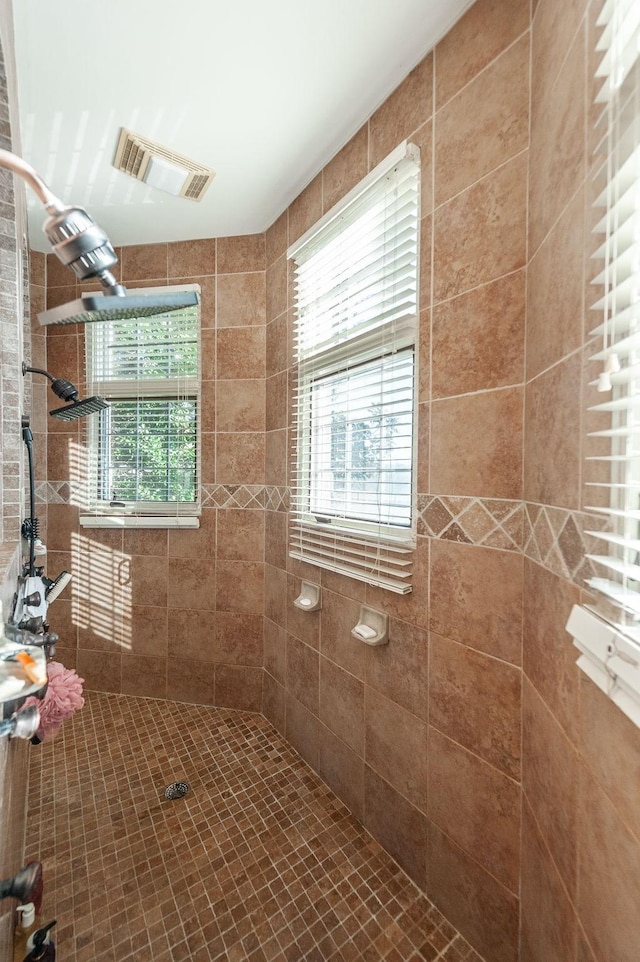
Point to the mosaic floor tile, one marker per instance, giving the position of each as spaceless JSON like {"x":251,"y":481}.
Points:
{"x":258,"y":862}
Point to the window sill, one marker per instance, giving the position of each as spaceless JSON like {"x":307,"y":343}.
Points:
{"x":137,"y":521}
{"x":609,"y":658}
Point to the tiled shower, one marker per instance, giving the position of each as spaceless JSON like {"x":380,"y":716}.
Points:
{"x":471,"y":748}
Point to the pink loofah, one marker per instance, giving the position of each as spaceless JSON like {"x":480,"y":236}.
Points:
{"x":62,"y":698}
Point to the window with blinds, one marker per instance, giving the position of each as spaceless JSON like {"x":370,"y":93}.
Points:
{"x":611,"y":652}
{"x":356,"y":300}
{"x":144,"y":446}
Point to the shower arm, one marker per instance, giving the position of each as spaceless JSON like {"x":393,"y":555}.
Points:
{"x":51,"y":203}
{"x":77,"y":241}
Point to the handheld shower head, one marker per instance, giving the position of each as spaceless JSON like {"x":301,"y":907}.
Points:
{"x":79,"y":409}
{"x":67,"y":391}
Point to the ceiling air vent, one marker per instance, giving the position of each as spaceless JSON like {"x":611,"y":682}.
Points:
{"x":160,"y":167}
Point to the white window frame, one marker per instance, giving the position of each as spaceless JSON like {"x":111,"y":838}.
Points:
{"x":607,"y":633}
{"x":374,"y":551}
{"x":141,"y":514}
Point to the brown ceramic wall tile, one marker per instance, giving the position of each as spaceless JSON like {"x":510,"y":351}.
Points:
{"x":396,"y":747}
{"x":477,"y":807}
{"x":424,"y":356}
{"x":342,"y":770}
{"x":57,"y":273}
{"x":192,"y":636}
{"x":195,"y":542}
{"x":609,"y":890}
{"x":148,"y":631}
{"x":277,"y":289}
{"x":552,"y":451}
{"x":191,"y":583}
{"x":240,"y":405}
{"x":475,"y":700}
{"x":399,"y":827}
{"x":144,"y":261}
{"x":276,"y":462}
{"x":275,"y":650}
{"x":276,"y":239}
{"x":240,"y":352}
{"x":101,"y":670}
{"x":550,"y":783}
{"x":477,"y":445}
{"x":400,"y":669}
{"x":342,"y":704}
{"x":485,"y":30}
{"x":555,"y":303}
{"x":425,"y":266}
{"x":549,"y":658}
{"x":144,"y":675}
{"x":240,"y":535}
{"x":609,"y":743}
{"x":485,"y":124}
{"x":339,"y":615}
{"x":148,"y":542}
{"x":548,"y":928}
{"x":480,"y":234}
{"x":238,"y":637}
{"x":303,"y":673}
{"x":275,"y":594}
{"x":276,"y":402}
{"x":273,"y":702}
{"x":241,"y":254}
{"x":277,"y":351}
{"x":476,"y":598}
{"x":146,"y":580}
{"x":346,"y":169}
{"x":584,"y":952}
{"x":557,"y":146}
{"x":240,"y":300}
{"x":191,"y":258}
{"x":406,"y":109}
{"x":238,"y":687}
{"x":302,"y":730}
{"x":275,"y":532}
{"x":38,"y":268}
{"x":191,"y":682}
{"x":240,"y":458}
{"x":306,"y":209}
{"x":552,"y":32}
{"x":240,"y":587}
{"x":472,"y":899}
{"x":478,"y":338}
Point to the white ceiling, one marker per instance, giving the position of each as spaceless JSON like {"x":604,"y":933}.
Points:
{"x":265,"y":93}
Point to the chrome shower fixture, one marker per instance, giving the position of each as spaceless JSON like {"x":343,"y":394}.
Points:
{"x":67,"y":391}
{"x":82,"y":246}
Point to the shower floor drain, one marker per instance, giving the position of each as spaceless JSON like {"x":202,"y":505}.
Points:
{"x":176,"y":790}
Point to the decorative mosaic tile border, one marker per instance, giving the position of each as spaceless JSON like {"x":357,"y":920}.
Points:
{"x":556,"y":538}
{"x":271,"y":497}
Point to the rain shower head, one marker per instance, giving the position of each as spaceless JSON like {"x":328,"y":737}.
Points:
{"x":67,"y":391}
{"x":117,"y":307}
{"x":82,"y":246}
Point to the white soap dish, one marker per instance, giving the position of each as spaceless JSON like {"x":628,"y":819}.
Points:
{"x":310,"y":597}
{"x":372,"y":627}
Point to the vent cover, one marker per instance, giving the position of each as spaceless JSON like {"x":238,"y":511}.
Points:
{"x":135,"y":153}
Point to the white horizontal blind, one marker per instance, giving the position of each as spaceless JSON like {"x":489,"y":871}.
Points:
{"x":618,"y":183}
{"x":356,"y":288}
{"x":144,"y":447}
